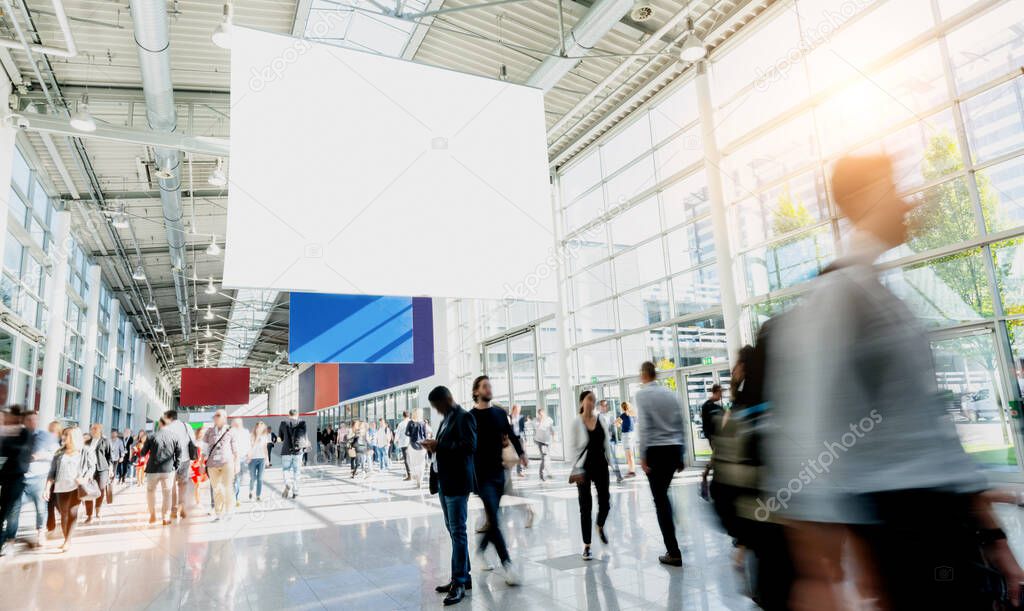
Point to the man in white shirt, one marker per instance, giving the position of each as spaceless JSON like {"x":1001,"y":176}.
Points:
{"x":402,"y":441}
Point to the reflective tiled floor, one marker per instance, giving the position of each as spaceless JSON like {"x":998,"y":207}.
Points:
{"x":379,"y":544}
{"x":373,"y":544}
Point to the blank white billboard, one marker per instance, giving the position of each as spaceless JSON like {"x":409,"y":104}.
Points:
{"x":357,"y":173}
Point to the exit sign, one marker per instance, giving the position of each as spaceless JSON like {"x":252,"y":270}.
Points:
{"x":708,"y":360}
{"x":593,"y":379}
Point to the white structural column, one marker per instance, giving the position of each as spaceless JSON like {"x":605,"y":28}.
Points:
{"x":92,"y":309}
{"x":56,"y":297}
{"x":109,"y":372}
{"x":566,"y":401}
{"x":719,"y":221}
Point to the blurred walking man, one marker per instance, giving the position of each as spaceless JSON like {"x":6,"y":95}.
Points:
{"x":661,"y":451}
{"x":865,"y":457}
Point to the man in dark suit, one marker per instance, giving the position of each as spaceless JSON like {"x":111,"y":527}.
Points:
{"x":456,"y":478}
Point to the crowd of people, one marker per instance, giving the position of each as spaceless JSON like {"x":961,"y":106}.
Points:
{"x":61,"y":468}
{"x":835,"y":468}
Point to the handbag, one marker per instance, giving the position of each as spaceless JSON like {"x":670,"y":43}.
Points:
{"x":509,"y":458}
{"x":110,"y":493}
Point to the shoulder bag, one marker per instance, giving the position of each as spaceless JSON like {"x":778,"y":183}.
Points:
{"x":210,"y":452}
{"x":88,"y":489}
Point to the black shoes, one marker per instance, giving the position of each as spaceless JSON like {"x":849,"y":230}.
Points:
{"x":455,"y":595}
{"x":448,"y":586}
{"x":671,"y":560}
{"x":601,"y":535}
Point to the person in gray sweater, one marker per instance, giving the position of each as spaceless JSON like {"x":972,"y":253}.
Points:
{"x":660,"y":415}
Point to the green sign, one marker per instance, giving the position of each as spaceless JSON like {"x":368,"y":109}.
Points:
{"x":707,"y":360}
{"x":554,"y":387}
{"x":593,"y":379}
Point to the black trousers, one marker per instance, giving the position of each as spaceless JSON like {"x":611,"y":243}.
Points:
{"x":405,"y":461}
{"x":600,"y":478}
{"x":663,"y":462}
{"x":926,"y":552}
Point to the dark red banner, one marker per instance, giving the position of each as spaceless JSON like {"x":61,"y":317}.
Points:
{"x":214,"y":386}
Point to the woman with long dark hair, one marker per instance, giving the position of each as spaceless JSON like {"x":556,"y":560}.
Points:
{"x":592,"y":453}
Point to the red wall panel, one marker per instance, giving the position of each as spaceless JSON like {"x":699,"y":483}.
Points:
{"x":325,"y":385}
{"x":214,"y":386}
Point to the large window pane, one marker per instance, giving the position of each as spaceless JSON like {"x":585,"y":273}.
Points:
{"x":685,"y":200}
{"x":584,"y":210}
{"x":592,"y":284}
{"x":702,"y":342}
{"x":987,"y":47}
{"x":598,"y":361}
{"x":944,"y":215}
{"x":586,"y":249}
{"x":679,"y":153}
{"x":691,"y":245}
{"x":580,"y":177}
{"x":921,"y":152}
{"x":1001,"y":188}
{"x":641,"y":265}
{"x":594,"y":321}
{"x":627,"y":145}
{"x":654,"y":345}
{"x":643,"y":307}
{"x":696,"y":291}
{"x":674,"y":112}
{"x":769,"y":158}
{"x":995,"y":120}
{"x":1008,"y":257}
{"x":796,"y":204}
{"x":635,"y":225}
{"x":787,"y":262}
{"x":632,"y":181}
{"x":872,"y":105}
{"x":946,"y":290}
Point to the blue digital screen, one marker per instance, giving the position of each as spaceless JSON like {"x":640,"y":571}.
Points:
{"x":325,"y":328}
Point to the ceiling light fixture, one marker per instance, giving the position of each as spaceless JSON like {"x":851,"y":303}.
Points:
{"x":209,"y":313}
{"x":218,"y":177}
{"x":693,"y":48}
{"x":151,"y":306}
{"x":211,"y":289}
{"x":82,"y":119}
{"x":139,"y":274}
{"x":222,"y":35}
{"x":159,"y":327}
{"x":120,"y":218}
{"x":213,"y":249}
{"x":208,"y":332}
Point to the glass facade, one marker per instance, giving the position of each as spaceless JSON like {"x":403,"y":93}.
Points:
{"x":939,"y":89}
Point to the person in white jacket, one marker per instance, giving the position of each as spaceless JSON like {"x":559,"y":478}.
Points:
{"x":591,"y":453}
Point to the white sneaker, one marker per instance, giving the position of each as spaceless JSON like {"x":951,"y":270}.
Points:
{"x":484,"y":561}
{"x":512,"y":577}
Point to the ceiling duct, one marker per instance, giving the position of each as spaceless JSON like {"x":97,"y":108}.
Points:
{"x":591,"y":28}
{"x":152,"y":37}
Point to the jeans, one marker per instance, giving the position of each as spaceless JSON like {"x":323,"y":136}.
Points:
{"x":615,"y":457}
{"x":243,"y":467}
{"x":291,"y":465}
{"x":166,"y":482}
{"x":663,"y":461}
{"x":34,"y":492}
{"x":599,"y":477}
{"x":256,"y":476}
{"x":543,"y":449}
{"x":490,"y":490}
{"x":455,"y":510}
{"x":180,"y":485}
{"x":10,"y":505}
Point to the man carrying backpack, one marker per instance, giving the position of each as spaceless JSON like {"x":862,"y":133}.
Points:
{"x":294,"y":443}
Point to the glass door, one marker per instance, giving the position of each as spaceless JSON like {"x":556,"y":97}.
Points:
{"x":697,"y":387}
{"x":511,"y":363}
{"x":969,"y":379}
